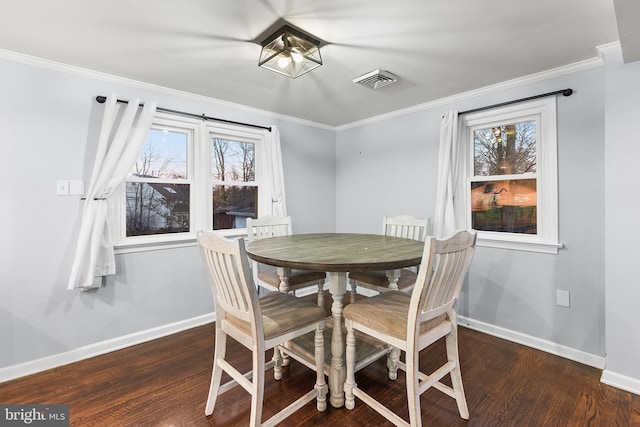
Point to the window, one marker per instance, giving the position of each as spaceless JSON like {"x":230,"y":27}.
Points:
{"x":158,"y":188}
{"x":190,"y":175}
{"x":511,"y":191}
{"x":234,"y":190}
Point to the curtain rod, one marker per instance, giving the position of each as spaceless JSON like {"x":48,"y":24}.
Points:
{"x":565,"y":92}
{"x":101,"y":99}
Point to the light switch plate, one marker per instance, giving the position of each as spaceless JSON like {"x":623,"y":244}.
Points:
{"x":62,"y":188}
{"x":562,"y":298}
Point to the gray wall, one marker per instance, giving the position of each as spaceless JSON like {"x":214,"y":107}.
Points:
{"x":390,"y":167}
{"x":345,"y":181}
{"x":49,"y":123}
{"x":622,"y":203}
{"x":386,"y":168}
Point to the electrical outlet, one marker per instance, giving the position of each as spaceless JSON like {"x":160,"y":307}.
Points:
{"x":76,"y":188}
{"x":562,"y":298}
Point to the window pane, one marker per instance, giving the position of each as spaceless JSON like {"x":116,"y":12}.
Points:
{"x":507,"y":206}
{"x":232,"y":205}
{"x":164,"y":155}
{"x":505,"y":150}
{"x":157,"y":208}
{"x":232,"y":160}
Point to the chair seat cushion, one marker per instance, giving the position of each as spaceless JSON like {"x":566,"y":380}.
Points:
{"x":379,"y":278}
{"x":282,"y":313}
{"x":387,"y":313}
{"x":297,"y":278}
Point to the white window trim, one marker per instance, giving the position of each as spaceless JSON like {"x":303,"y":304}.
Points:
{"x":247,"y":135}
{"x":546,"y":240}
{"x":198,"y":158}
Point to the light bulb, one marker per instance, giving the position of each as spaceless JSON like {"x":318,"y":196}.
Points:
{"x":297,"y":57}
{"x":284,"y":61}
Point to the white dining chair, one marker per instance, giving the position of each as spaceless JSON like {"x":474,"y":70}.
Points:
{"x":410,"y":323}
{"x":259,"y":324}
{"x":268,"y":276}
{"x":406,"y":226}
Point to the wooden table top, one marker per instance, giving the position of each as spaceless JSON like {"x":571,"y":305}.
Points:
{"x":337,"y":252}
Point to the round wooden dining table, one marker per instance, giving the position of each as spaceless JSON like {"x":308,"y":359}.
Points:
{"x":336,"y":254}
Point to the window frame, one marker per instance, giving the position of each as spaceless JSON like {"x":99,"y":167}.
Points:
{"x":161,"y":123}
{"x":240,"y":136}
{"x":544,"y":112}
{"x":199,"y":177}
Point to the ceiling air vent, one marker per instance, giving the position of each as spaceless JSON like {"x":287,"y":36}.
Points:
{"x":376,"y":79}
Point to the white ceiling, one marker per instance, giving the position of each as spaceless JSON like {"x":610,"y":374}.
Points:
{"x":438,"y":48}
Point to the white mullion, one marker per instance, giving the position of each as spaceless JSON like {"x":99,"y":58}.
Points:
{"x":160,"y":180}
{"x":192,"y":144}
{"x":511,"y":177}
{"x":202,"y":188}
{"x":234,"y":183}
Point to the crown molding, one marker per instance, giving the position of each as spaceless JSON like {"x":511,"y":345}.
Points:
{"x":609,"y":48}
{"x":520,"y":81}
{"x":97,"y":75}
{"x":602,"y":50}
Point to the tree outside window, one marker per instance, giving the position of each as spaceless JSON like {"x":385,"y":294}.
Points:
{"x":505,"y":205}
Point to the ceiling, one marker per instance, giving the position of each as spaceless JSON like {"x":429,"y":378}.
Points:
{"x":438,"y":48}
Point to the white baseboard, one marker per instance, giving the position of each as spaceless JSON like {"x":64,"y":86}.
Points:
{"x":622,"y":382}
{"x":27,"y":368}
{"x":103,"y":347}
{"x":537,"y":343}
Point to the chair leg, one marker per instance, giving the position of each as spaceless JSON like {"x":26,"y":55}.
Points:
{"x":257,"y":392}
{"x":392,"y":363}
{"x":393,"y":276}
{"x":283,"y":274}
{"x":216,"y":375}
{"x":456,"y":375}
{"x":277,"y":360}
{"x":321,"y":384}
{"x":350,"y":382}
{"x":413,"y":395}
{"x":354,"y":290}
{"x":321,"y":294}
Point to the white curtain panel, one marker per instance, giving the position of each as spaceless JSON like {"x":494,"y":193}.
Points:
{"x":273,"y":153}
{"x":448,"y":165}
{"x":119,"y":145}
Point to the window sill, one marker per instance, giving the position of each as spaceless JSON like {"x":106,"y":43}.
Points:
{"x":518,"y":244}
{"x":175,"y":241}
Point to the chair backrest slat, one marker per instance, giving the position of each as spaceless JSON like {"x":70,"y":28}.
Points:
{"x":444,"y":266}
{"x":229,"y":275}
{"x":268,"y":226}
{"x":443,"y":288}
{"x":406,"y":226}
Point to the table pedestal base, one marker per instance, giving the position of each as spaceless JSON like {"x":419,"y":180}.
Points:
{"x":368,"y":351}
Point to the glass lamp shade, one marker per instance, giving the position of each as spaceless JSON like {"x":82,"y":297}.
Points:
{"x":290,"y":52}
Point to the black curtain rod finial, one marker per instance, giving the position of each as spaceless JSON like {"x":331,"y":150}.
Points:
{"x":567,"y":92}
{"x":101,"y":99}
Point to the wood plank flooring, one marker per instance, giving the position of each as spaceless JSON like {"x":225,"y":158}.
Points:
{"x":165,"y":383}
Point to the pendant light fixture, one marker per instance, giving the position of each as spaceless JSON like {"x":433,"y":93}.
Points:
{"x":290,"y":52}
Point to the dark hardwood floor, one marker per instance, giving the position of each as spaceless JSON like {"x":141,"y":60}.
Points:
{"x":165,"y":383}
